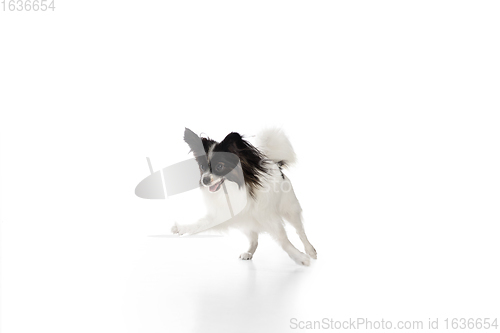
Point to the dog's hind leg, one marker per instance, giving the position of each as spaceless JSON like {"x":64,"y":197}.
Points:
{"x":253,"y":238}
{"x":295,"y":219}
{"x":292,"y":212}
{"x":279,"y":234}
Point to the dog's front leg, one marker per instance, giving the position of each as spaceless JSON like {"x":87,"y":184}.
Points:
{"x":191,"y":229}
{"x":253,"y":238}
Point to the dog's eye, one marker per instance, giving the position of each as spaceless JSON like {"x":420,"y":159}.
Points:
{"x":219,"y":167}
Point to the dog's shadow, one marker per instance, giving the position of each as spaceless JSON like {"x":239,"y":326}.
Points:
{"x":253,"y":298}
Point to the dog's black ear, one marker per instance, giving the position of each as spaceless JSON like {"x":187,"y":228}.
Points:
{"x":232,"y":142}
{"x":194,"y":142}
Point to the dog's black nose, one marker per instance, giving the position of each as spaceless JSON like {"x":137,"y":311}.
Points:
{"x":206,"y":180}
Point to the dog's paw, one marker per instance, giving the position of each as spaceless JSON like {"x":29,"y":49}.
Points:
{"x":302,"y":259}
{"x":311,"y":251}
{"x":246,"y":256}
{"x":179,"y":230}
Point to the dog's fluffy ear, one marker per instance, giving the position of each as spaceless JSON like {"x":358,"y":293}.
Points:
{"x":194,"y":142}
{"x":232,"y":142}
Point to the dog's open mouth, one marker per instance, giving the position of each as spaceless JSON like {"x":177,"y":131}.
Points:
{"x":216,"y":187}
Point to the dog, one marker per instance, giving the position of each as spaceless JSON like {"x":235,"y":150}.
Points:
{"x":258,"y":170}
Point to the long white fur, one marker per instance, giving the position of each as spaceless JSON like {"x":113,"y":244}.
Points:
{"x":276,"y":146}
{"x":265,"y":213}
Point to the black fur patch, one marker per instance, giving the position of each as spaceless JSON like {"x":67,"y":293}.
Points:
{"x":280,"y":165}
{"x":251,"y":159}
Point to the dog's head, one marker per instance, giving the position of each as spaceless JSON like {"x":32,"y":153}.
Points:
{"x":233,"y":159}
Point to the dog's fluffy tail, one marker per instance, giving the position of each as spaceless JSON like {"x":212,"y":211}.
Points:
{"x":276,"y":146}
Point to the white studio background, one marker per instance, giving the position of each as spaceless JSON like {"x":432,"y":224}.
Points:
{"x":393,"y":109}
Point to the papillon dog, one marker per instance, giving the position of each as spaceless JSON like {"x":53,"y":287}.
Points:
{"x":258,"y":171}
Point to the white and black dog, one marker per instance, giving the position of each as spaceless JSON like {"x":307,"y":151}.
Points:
{"x":259,"y":171}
